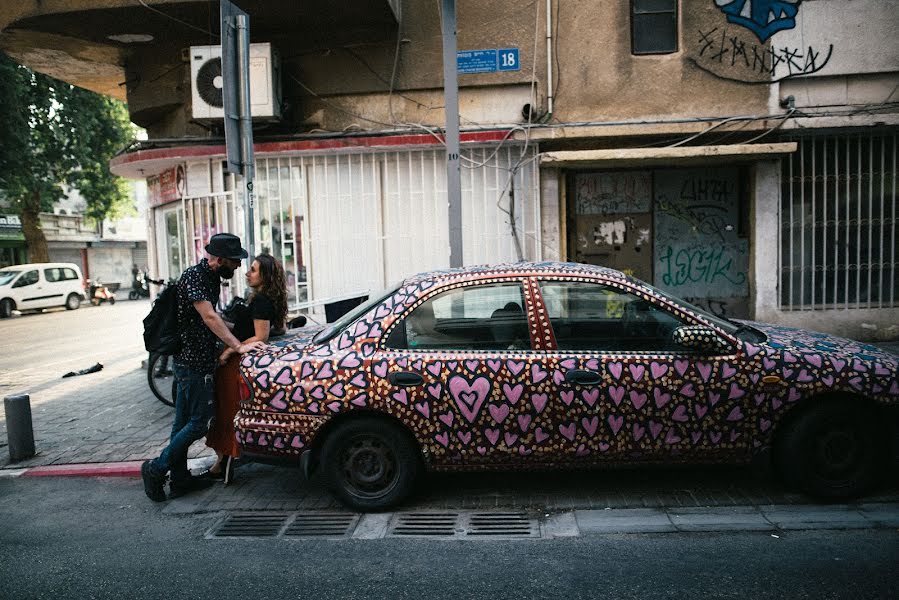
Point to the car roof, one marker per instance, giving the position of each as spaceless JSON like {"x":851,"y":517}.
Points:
{"x":40,"y":266}
{"x":519,"y":268}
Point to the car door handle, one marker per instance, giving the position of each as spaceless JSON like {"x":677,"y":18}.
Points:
{"x":405,"y":379}
{"x":583,"y":377}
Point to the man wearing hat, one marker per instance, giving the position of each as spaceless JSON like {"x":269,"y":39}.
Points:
{"x":202,"y":330}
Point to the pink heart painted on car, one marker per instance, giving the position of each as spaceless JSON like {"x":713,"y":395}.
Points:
{"x":435,"y":368}
{"x":361,"y":327}
{"x":558,"y":377}
{"x":856,"y":382}
{"x":262,"y":380}
{"x":617,"y":394}
{"x":539,"y":401}
{"x":469,"y":396}
{"x":263,"y":440}
{"x":350,"y":361}
{"x":751,"y":350}
{"x":590,"y":396}
{"x":402,"y":362}
{"x":472,"y":365}
{"x":687,"y":390}
{"x":715,"y":436}
{"x":759,"y":399}
{"x":768,"y":363}
{"x":681,"y":366}
{"x":859,"y":367}
{"x":279,"y":443}
{"x":838,"y":364}
{"x":359,"y":400}
{"x":494,"y":365}
{"x":788,"y":357}
{"x":636,"y":371}
{"x":735,"y":415}
{"x":894,"y":388}
{"x":442,"y":439}
{"x":714,"y":397}
{"x":705,"y":371}
{"x":794,"y":395}
{"x":671,"y":437}
{"x":735,"y":392}
{"x":734,"y":435}
{"x":680,"y":414}
{"x":318,"y":392}
{"x":638,"y":431}
{"x":515,"y":367}
{"x":524,"y":450}
{"x":568,"y":431}
{"x":524,"y":421}
{"x":248,"y":439}
{"x":334,"y":406}
{"x":764,"y":424}
{"x":615,"y":369}
{"x":754,"y":378}
{"x":510,"y":438}
{"x":661,"y":399}
{"x":298,"y":395}
{"x":637,"y":399}
{"x":655,"y":429}
{"x":567,"y":397}
{"x":345,"y":341}
{"x":446,"y":418}
{"x":880,"y":369}
{"x":657,"y":370}
{"x":804,"y":377}
{"x":325,"y":371}
{"x":787,"y":373}
{"x":590,"y":425}
{"x":277,"y":401}
{"x":464,"y":437}
{"x":696,"y":436}
{"x":568,"y":363}
{"x":700,"y":410}
{"x":537,"y":373}
{"x":452,"y":365}
{"x":382,"y":311}
{"x":481,"y":450}
{"x":313,"y":407}
{"x":322,"y":351}
{"x":265,"y":361}
{"x":336,"y":390}
{"x":727,"y":371}
{"x":512,"y":393}
{"x":375,"y":331}
{"x":359,"y":380}
{"x":814,"y":360}
{"x":615,"y":422}
{"x":296,"y":442}
{"x":424,"y":408}
{"x":540,"y":435}
{"x":306,"y":370}
{"x":582,"y":450}
{"x":592,"y":364}
{"x":401,"y":396}
{"x":499,"y":412}
{"x":604,"y":447}
{"x":435,"y":390}
{"x":776,"y":403}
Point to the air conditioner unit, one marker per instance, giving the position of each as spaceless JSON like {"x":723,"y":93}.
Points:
{"x":206,"y":82}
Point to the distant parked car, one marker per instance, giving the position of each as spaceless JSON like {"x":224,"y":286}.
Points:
{"x":559,"y":365}
{"x":40,"y":285}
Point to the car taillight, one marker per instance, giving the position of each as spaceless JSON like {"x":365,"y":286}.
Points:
{"x":243,"y":389}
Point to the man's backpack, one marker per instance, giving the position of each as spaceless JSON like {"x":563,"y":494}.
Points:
{"x":161,"y":325}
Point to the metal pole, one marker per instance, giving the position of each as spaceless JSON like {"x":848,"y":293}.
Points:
{"x":246,"y":129}
{"x":451,"y":103}
{"x":19,"y":432}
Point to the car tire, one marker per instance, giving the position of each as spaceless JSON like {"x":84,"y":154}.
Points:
{"x":832,"y":450}
{"x":73,"y":302}
{"x":370,"y":464}
{"x":6,"y":308}
{"x":111,"y":301}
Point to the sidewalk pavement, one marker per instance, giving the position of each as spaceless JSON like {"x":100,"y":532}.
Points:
{"x":112,"y":421}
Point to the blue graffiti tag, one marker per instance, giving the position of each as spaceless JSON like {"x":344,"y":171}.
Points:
{"x":763,"y":17}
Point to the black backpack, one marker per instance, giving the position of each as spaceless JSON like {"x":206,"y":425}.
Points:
{"x":161,"y":325}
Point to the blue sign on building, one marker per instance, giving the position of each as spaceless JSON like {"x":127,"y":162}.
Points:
{"x":487,"y":61}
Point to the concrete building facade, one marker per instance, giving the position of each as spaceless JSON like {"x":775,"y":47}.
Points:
{"x":740,"y":154}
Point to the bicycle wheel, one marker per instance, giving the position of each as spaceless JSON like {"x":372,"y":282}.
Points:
{"x":161,"y":378}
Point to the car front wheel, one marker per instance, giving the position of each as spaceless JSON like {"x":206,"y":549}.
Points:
{"x":832,"y":450}
{"x":6,"y":308}
{"x":370,"y":464}
{"x":73,"y":302}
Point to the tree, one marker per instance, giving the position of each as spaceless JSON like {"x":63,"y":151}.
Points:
{"x":52,"y":135}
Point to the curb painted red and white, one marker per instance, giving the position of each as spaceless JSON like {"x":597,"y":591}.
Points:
{"x":129,"y":468}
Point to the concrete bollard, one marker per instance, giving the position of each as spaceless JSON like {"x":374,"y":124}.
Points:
{"x":19,"y":431}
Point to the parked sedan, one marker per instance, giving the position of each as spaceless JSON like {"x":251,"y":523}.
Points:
{"x":560,"y":365}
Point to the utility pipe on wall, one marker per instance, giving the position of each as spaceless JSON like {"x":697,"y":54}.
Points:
{"x":549,"y":57}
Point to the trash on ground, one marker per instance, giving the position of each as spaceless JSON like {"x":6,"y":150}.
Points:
{"x":97,"y":367}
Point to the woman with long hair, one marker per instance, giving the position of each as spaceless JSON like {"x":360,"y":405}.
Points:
{"x":266,"y":314}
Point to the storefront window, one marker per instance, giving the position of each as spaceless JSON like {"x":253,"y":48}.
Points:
{"x":173,"y":244}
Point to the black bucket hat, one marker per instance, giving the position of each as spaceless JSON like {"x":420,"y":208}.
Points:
{"x":226,"y":245}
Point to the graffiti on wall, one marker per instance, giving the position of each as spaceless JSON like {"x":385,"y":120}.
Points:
{"x":609,"y":193}
{"x":746,"y":52}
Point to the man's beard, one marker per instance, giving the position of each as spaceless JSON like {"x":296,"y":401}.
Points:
{"x":225,"y":272}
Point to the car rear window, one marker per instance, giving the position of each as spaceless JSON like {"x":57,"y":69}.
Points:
{"x":7,"y":276}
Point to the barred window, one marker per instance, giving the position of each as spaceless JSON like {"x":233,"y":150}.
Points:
{"x":838,"y":223}
{"x":653,"y":26}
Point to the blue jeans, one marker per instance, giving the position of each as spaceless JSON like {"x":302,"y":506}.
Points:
{"x":194,"y":408}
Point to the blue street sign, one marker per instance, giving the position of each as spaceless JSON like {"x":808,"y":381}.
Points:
{"x":487,"y":61}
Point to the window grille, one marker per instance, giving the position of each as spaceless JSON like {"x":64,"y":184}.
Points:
{"x":838,"y":223}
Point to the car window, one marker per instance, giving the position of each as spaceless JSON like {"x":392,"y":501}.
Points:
{"x":53,"y":275}
{"x":29,"y":278}
{"x":7,"y":276}
{"x":69,"y":274}
{"x":595,"y":317}
{"x":480,"y":317}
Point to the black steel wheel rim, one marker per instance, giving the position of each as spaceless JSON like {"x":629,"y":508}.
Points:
{"x":838,"y":452}
{"x":368,"y":466}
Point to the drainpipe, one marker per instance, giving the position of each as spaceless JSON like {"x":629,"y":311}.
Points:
{"x":549,"y":60}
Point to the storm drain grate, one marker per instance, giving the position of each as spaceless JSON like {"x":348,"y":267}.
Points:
{"x":424,"y":524}
{"x":250,"y":525}
{"x":506,"y":524}
{"x":465,"y":525}
{"x":321,"y":525}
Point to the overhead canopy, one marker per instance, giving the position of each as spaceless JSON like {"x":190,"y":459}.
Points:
{"x":681,"y":155}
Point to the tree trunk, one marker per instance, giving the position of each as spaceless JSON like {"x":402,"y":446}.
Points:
{"x":31,"y":229}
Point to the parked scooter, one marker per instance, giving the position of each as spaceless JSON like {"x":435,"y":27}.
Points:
{"x":99,"y":293}
{"x":142,"y":289}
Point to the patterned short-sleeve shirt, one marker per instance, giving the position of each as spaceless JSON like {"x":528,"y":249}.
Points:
{"x":200,"y":347}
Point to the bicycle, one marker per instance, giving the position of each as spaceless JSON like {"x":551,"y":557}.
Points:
{"x":158,"y":376}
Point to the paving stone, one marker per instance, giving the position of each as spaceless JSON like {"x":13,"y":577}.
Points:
{"x":624,"y":520}
{"x":816,"y":517}
{"x":734,"y":518}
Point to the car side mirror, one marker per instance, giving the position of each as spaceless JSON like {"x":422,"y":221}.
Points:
{"x":701,"y":339}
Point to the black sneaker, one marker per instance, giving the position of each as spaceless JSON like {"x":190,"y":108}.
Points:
{"x":182,"y":487}
{"x":153,"y":483}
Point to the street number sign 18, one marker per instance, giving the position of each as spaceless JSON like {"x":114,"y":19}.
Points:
{"x":508,"y":59}
{"x":487,"y":61}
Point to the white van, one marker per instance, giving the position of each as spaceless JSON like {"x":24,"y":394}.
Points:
{"x":40,"y":285}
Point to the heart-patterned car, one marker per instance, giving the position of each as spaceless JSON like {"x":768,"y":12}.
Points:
{"x":561,"y":365}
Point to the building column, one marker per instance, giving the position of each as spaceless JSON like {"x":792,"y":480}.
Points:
{"x":764,"y":266}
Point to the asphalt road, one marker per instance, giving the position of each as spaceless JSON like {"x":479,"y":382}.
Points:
{"x":36,"y":349}
{"x":63,"y":538}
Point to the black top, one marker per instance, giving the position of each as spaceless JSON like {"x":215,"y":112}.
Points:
{"x":262,"y":308}
{"x":199,"y":346}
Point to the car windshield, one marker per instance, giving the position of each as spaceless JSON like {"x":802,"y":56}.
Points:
{"x":7,"y":276}
{"x":337,"y":326}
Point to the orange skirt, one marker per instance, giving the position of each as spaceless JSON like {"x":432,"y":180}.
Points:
{"x":220,"y":436}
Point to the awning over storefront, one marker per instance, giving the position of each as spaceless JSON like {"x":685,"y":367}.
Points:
{"x":679,"y":156}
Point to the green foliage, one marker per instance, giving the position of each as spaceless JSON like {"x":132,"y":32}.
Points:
{"x":53,"y":134}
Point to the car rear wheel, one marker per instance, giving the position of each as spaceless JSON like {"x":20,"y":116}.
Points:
{"x":832,"y":450}
{"x":6,"y":308}
{"x":73,"y":302}
{"x":370,"y":464}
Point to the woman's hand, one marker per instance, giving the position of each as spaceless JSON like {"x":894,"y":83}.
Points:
{"x":225,"y":356}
